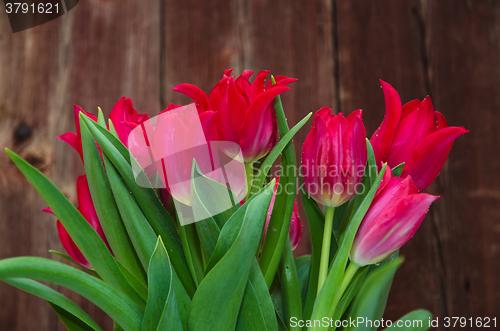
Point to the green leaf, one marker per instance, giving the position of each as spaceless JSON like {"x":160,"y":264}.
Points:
{"x":112,"y":128}
{"x":350,"y":292}
{"x":192,"y":250}
{"x":70,"y":259}
{"x":366,"y":303}
{"x":84,"y":236}
{"x":118,"y":306}
{"x":208,"y":197}
{"x":228,"y":234}
{"x":303,"y":265}
{"x":211,"y":199}
{"x":413,"y":319}
{"x":100,"y":118}
{"x":251,"y":315}
{"x":64,"y":307}
{"x":106,"y":208}
{"x":175,"y":309}
{"x":329,"y":295}
{"x":279,"y":223}
{"x":219,"y":296}
{"x":264,"y":298}
{"x":160,"y":285}
{"x":396,"y":171}
{"x":161,"y":222}
{"x":257,"y":310}
{"x":384,"y":293}
{"x":275,"y":152}
{"x":70,"y":321}
{"x":140,"y":232}
{"x":171,"y":319}
{"x":262,"y":307}
{"x":371,"y":164}
{"x":138,"y":285}
{"x":290,"y":287}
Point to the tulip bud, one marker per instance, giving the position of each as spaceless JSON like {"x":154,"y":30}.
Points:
{"x":392,"y":219}
{"x":334,"y":157}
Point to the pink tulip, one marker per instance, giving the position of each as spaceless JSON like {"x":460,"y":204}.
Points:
{"x":414,"y":134}
{"x":87,"y":209}
{"x":295,"y":230}
{"x":334,"y":157}
{"x":244,"y":110}
{"x":392,"y":219}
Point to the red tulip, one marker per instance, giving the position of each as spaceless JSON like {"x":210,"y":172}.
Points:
{"x":295,"y":230}
{"x":124,"y":119}
{"x":392,"y":219}
{"x":334,"y":157}
{"x":87,"y":209}
{"x":414,"y":134}
{"x":75,"y":139}
{"x":244,"y":110}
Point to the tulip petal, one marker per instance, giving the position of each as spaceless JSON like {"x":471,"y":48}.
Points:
{"x":207,"y":120}
{"x":195,"y":93}
{"x":48,"y":210}
{"x":281,"y":80}
{"x":410,"y":107}
{"x":243,"y":81}
{"x":258,"y":129}
{"x":122,"y":115}
{"x":430,"y":155}
{"x":355,"y":114}
{"x":295,"y":231}
{"x":70,"y":247}
{"x":72,"y":139}
{"x":258,"y":84}
{"x":86,"y":206}
{"x":76,"y":111}
{"x":316,"y":156}
{"x":382,"y":138}
{"x":394,"y":227}
{"x":410,"y":132}
{"x":394,"y":191}
{"x":355,"y":155}
{"x":440,"y":121}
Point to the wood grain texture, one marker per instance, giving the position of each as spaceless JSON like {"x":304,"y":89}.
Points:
{"x":104,"y":49}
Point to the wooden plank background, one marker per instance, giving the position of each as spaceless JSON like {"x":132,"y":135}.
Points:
{"x":104,"y":49}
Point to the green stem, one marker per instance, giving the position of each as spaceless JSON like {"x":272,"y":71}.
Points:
{"x":249,"y":179}
{"x":349,"y":273}
{"x":325,"y":250}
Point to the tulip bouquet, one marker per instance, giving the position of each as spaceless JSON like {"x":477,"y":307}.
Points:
{"x":183,"y":224}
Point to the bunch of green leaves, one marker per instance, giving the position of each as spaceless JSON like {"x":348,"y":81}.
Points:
{"x":219,"y":273}
{"x":162,"y":275}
